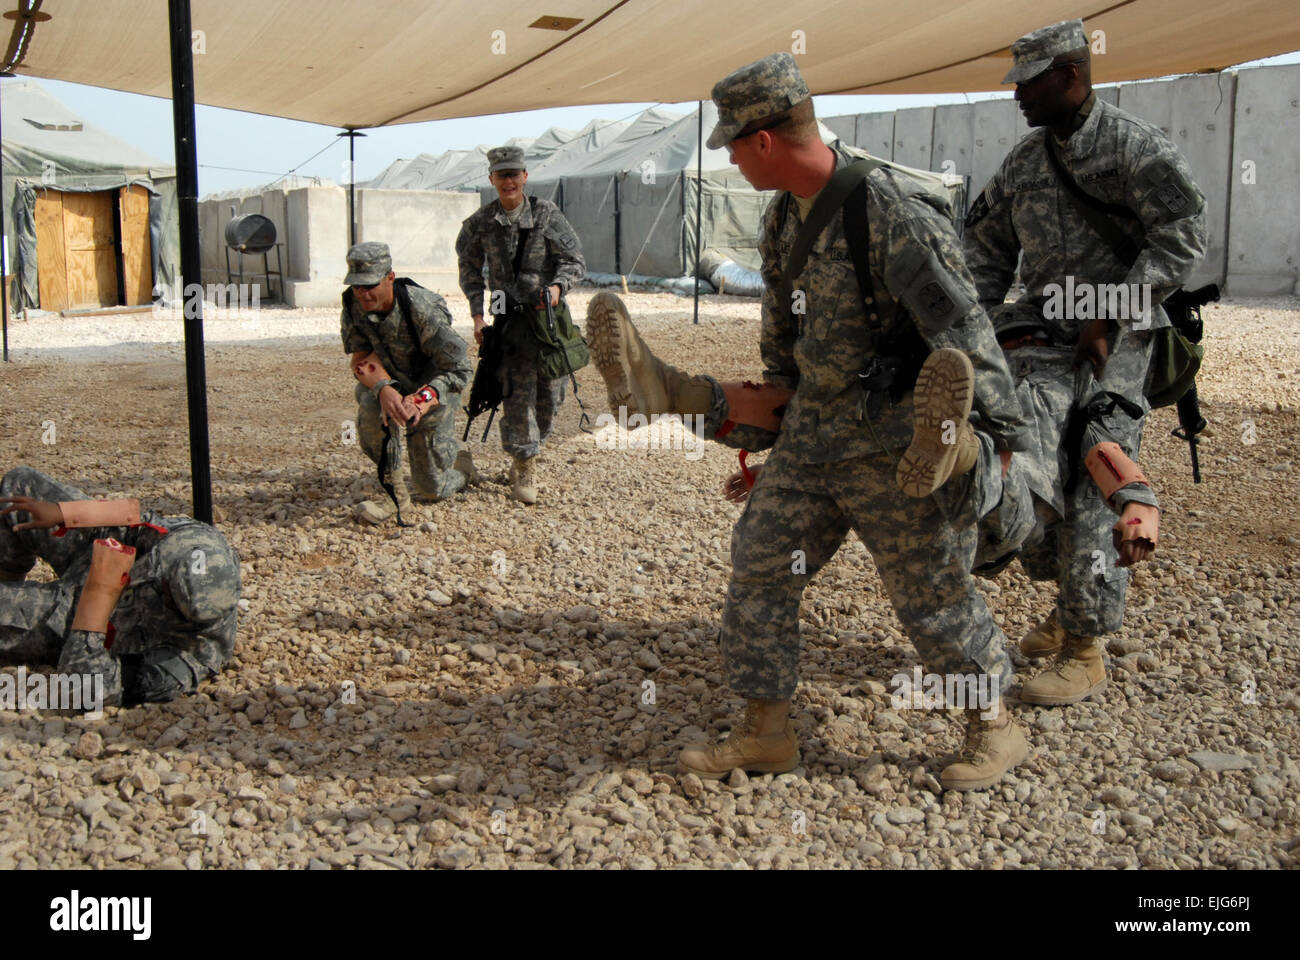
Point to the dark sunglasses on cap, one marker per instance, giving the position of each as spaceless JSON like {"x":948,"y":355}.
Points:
{"x":365,"y":286}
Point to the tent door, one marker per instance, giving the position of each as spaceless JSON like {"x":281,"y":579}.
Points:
{"x":137,"y":255}
{"x":92,"y":249}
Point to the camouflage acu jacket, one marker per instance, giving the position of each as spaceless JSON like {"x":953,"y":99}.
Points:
{"x":1116,"y":158}
{"x":439,"y":358}
{"x":918,"y":273}
{"x":488,"y":239}
{"x":183,"y":594}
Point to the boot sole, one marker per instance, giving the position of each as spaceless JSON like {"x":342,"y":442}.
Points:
{"x":1019,"y":757}
{"x":1050,"y":701}
{"x":608,"y":349}
{"x":778,"y":766}
{"x":945,"y":390}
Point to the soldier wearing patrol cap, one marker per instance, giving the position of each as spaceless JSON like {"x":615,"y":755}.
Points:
{"x":841,"y":352}
{"x":1096,"y":365}
{"x":526,"y":249}
{"x":410,"y":368}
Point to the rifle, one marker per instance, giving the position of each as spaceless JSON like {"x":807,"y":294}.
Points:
{"x":486,"y":392}
{"x":1184,"y":309}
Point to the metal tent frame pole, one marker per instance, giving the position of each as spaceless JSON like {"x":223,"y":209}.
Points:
{"x":4,"y":258}
{"x":187,"y":189}
{"x":352,"y":135}
{"x":699,"y":199}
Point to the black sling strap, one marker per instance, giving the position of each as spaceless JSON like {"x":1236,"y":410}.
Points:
{"x":845,"y":181}
{"x":1097,"y":212}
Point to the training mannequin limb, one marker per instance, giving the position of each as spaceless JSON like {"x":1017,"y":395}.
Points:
{"x":100,"y":513}
{"x":110,"y":572}
{"x":1137,"y":531}
{"x":371,"y":372}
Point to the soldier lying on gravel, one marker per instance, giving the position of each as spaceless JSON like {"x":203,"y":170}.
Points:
{"x":145,"y":601}
{"x":410,"y":368}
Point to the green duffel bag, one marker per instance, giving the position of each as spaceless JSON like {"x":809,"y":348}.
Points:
{"x":560,"y":348}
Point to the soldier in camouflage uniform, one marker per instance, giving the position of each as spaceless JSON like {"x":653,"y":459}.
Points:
{"x":172,"y":626}
{"x":550,"y":262}
{"x":422,"y":369}
{"x":1097,"y":364}
{"x":835,"y":464}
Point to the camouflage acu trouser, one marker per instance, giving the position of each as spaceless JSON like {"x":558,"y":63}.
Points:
{"x":1077,"y":551}
{"x":432,"y":445}
{"x":792,"y":525}
{"x":528,"y":407}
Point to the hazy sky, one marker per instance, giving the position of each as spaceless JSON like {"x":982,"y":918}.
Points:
{"x":246,"y":150}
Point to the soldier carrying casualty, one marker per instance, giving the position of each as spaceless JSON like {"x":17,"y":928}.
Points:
{"x":145,"y":601}
{"x":1100,"y":209}
{"x":868,"y":314}
{"x":410,"y":368}
{"x":532,"y":258}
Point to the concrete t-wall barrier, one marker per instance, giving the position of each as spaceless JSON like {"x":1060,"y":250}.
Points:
{"x":318,"y":239}
{"x":1196,"y":114}
{"x":420,"y":228}
{"x":1230,"y":127}
{"x":1264,"y":217}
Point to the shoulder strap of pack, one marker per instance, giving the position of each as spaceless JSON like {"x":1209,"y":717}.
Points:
{"x":523,"y":240}
{"x":858,"y":231}
{"x":842,"y":183}
{"x":401,"y":290}
{"x":1097,"y":212}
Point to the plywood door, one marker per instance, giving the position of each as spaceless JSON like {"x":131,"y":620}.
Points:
{"x":51,"y":264}
{"x":90,"y":249}
{"x":137,"y":259}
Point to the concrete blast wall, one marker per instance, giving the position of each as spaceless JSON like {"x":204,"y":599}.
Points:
{"x":311,"y":223}
{"x":1235,"y":129}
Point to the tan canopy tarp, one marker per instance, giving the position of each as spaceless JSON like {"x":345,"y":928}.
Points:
{"x":366,"y":63}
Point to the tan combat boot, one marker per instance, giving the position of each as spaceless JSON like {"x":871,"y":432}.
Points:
{"x":1045,"y":640}
{"x":992,"y":747}
{"x":465,"y":464}
{"x":634,"y":377}
{"x":375,"y":511}
{"x":943,"y":444}
{"x":523,"y":480}
{"x":1079,"y":672}
{"x":763,"y":741}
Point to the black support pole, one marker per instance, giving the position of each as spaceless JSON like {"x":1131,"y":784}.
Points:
{"x":699,"y":200}
{"x":352,"y":183}
{"x":187,"y":189}
{"x":4,"y":254}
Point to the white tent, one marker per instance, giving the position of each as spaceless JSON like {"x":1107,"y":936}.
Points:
{"x":89,"y":220}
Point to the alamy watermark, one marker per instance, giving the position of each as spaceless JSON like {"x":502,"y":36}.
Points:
{"x":940,"y":691}
{"x":81,"y":692}
{"x":1130,"y":302}
{"x":224,"y":301}
{"x":668,"y":431}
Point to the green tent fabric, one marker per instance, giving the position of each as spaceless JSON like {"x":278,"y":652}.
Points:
{"x":46,"y":146}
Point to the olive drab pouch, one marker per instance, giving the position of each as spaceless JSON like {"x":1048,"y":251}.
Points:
{"x":561,"y":350}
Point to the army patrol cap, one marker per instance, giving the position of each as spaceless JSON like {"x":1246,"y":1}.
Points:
{"x":1034,"y":52}
{"x":368,"y":263}
{"x":505,"y":158}
{"x":753,"y":93}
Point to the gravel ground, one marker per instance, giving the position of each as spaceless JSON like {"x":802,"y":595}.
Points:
{"x":503,"y":658}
